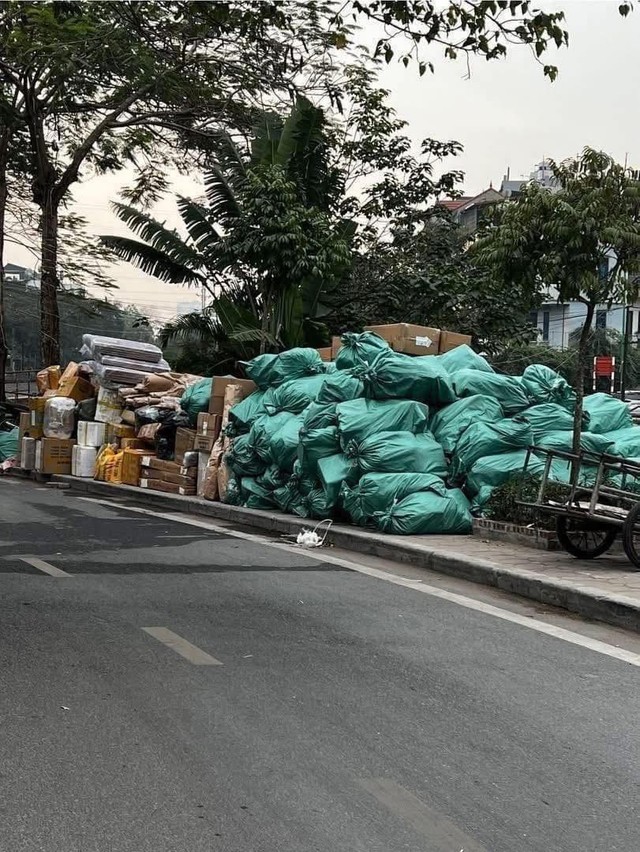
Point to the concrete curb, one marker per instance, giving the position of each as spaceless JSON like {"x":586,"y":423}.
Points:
{"x":579,"y":598}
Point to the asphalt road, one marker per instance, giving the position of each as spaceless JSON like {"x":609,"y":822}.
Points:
{"x":293,"y":706}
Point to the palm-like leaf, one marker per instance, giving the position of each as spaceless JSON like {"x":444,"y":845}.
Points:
{"x":157,"y":235}
{"x":221,"y":195}
{"x":266,"y":139}
{"x":198,"y":222}
{"x":153,"y":261}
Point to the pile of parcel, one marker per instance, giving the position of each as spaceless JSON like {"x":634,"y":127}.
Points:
{"x":403,"y":428}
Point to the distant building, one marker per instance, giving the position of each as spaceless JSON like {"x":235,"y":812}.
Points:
{"x":470,"y":210}
{"x":541,"y":174}
{"x":21,"y":275}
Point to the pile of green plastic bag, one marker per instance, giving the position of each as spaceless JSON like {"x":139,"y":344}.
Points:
{"x":401,"y":444}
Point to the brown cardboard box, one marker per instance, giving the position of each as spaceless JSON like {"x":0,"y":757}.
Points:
{"x":69,"y":373}
{"x":204,"y":443}
{"x":174,"y":478}
{"x":53,"y":455}
{"x":76,"y":389}
{"x":131,"y":465}
{"x":450,"y":339}
{"x":168,"y":487}
{"x":36,"y":419}
{"x":409,"y":339}
{"x":336,"y":343}
{"x":131,"y":444}
{"x":155,"y":464}
{"x":325,"y":353}
{"x":25,"y":424}
{"x":209,"y":424}
{"x":184,"y":442}
{"x":119,"y":430}
{"x":216,"y":403}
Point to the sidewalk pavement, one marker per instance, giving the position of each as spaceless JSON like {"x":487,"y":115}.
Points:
{"x":604,"y":589}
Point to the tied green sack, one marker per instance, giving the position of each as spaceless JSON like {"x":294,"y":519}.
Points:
{"x":196,"y":399}
{"x":263,"y":430}
{"x":437,"y":511}
{"x":359,"y":418}
{"x":243,"y":459}
{"x":377,"y":492}
{"x":317,"y":415}
{"x":359,"y":349}
{"x":464,"y":358}
{"x":293,"y":396}
{"x":489,"y":439}
{"x":316,"y":444}
{"x":548,"y":417}
{"x":545,"y":385}
{"x":494,"y":470}
{"x":396,"y":376}
{"x":398,"y":452}
{"x":606,"y":414}
{"x":283,"y":446}
{"x":333,"y":471}
{"x":563,"y":440}
{"x":272,"y":370}
{"x":9,"y":444}
{"x":273,"y":478}
{"x":450,"y":422}
{"x":243,"y":414}
{"x":254,"y":495}
{"x":507,"y":390}
{"x":625,"y":442}
{"x":233,"y":495}
{"x":340,"y":386}
{"x":561,"y":471}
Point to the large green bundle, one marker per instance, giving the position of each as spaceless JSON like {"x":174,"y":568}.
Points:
{"x":271,"y":370}
{"x":606,"y":414}
{"x":376,"y":492}
{"x":489,"y":439}
{"x":398,"y":452}
{"x":625,"y":442}
{"x":563,"y":440}
{"x":359,"y":418}
{"x":243,"y":414}
{"x":548,"y":417}
{"x":316,"y":444}
{"x":437,"y":511}
{"x":232,"y":495}
{"x":273,"y":478}
{"x":263,"y":430}
{"x":289,"y":499}
{"x":333,"y":471}
{"x":9,"y":444}
{"x":450,"y":422}
{"x":395,"y":376}
{"x":490,"y":471}
{"x":561,"y":471}
{"x":283,"y":446}
{"x":242,"y":458}
{"x":545,"y":385}
{"x":293,"y":396}
{"x":464,"y":358}
{"x":359,"y":349}
{"x":254,"y":495}
{"x":319,"y":414}
{"x":195,"y":399}
{"x":340,"y":386}
{"x":507,"y":390}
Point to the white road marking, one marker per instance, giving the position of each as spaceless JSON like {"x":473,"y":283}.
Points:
{"x":443,"y":835}
{"x":190,"y":652}
{"x":41,"y":565}
{"x":321,"y":555}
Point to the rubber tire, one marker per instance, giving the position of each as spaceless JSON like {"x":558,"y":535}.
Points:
{"x":578,"y":552}
{"x":627,"y":537}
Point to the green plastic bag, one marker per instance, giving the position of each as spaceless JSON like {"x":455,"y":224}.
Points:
{"x":398,"y":452}
{"x":317,"y":415}
{"x":543,"y":384}
{"x":507,"y":390}
{"x":242,"y":458}
{"x":437,"y":511}
{"x":359,"y":418}
{"x":395,"y":376}
{"x":293,"y":396}
{"x":333,"y":471}
{"x":464,"y":358}
{"x":317,"y":505}
{"x":243,"y":414}
{"x":9,"y":444}
{"x":340,"y":386}
{"x":273,"y":478}
{"x":563,"y":440}
{"x":561,"y":471}
{"x":196,"y":399}
{"x":489,"y":439}
{"x":272,"y":370}
{"x":448,"y":424}
{"x":263,"y":430}
{"x":233,"y":495}
{"x":330,"y":367}
{"x":283,"y":446}
{"x":359,"y":349}
{"x":254,"y":495}
{"x":606,"y":414}
{"x":548,"y":417}
{"x":316,"y":444}
{"x":494,"y":470}
{"x":377,"y":492}
{"x":626,"y":442}
{"x":302,"y":481}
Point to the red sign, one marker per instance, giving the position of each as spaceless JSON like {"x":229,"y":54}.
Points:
{"x":604,"y":365}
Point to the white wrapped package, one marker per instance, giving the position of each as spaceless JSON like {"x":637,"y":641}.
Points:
{"x":28,"y":454}
{"x":83,"y":461}
{"x":115,"y":376}
{"x":95,"y":347}
{"x":59,"y":417}
{"x":91,"y":434}
{"x":130,"y":364}
{"x":108,"y":407}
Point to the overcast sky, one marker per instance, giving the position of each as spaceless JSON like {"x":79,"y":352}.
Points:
{"x":507,"y":114}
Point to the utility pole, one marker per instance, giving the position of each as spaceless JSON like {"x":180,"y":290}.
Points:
{"x":626,"y":336}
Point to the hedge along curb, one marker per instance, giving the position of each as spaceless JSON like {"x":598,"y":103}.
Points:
{"x":575,"y":597}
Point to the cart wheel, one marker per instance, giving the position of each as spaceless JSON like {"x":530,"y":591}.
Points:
{"x":631,"y":537}
{"x":585,"y":540}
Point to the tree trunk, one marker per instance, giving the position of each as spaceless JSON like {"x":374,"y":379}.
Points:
{"x":4,"y":147}
{"x":49,"y":314}
{"x":583,"y":349}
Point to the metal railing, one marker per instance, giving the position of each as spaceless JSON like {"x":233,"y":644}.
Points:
{"x":20,"y":384}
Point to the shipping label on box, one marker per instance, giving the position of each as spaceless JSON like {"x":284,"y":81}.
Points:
{"x":209,"y":424}
{"x":204,"y":443}
{"x":408,"y":338}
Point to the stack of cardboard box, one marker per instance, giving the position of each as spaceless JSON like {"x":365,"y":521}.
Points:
{"x":410,"y":339}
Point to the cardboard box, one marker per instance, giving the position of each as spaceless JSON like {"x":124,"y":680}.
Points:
{"x":76,"y":389}
{"x":119,"y":430}
{"x":109,"y":408}
{"x":131,"y":444}
{"x":209,"y":424}
{"x":325,"y":353}
{"x":409,"y":339}
{"x":216,"y":402}
{"x":53,"y":455}
{"x":450,"y":339}
{"x":187,"y":481}
{"x":336,"y":343}
{"x":168,"y":487}
{"x":204,"y":443}
{"x":36,"y":416}
{"x":184,"y":442}
{"x":165,"y":466}
{"x":132,"y":465}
